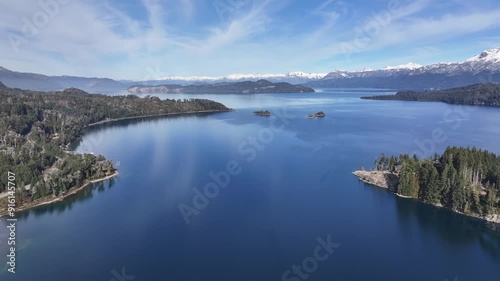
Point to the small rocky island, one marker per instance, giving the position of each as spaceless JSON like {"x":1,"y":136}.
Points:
{"x":320,"y":114}
{"x":262,"y":113}
{"x":246,"y":87}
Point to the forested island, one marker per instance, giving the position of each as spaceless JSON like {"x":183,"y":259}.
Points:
{"x":478,"y":94}
{"x":37,"y":128}
{"x":246,"y":87}
{"x":262,"y":113}
{"x":465,"y":180}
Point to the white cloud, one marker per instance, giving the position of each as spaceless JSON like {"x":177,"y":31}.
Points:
{"x":250,"y":23}
{"x":94,"y":38}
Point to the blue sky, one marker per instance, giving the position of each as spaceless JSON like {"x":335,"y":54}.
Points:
{"x":149,"y":39}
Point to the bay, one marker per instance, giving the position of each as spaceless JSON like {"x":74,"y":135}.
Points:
{"x":294,"y":188}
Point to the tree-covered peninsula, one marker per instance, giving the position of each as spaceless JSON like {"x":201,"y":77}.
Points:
{"x":246,"y":87}
{"x":478,"y":94}
{"x":465,"y":180}
{"x":37,"y":128}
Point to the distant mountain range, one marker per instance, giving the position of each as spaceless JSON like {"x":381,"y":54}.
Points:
{"x":296,"y":77}
{"x":246,"y":87}
{"x":482,"y":68}
{"x":39,"y":82}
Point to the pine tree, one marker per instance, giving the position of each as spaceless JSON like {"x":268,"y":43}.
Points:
{"x":491,"y":201}
{"x":432,"y":192}
{"x":424,"y":181}
{"x":475,"y":201}
{"x":458,"y":194}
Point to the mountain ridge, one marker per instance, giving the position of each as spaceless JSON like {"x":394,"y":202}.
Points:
{"x":481,"y":68}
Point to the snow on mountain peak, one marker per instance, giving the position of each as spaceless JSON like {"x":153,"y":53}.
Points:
{"x":410,"y":66}
{"x":251,"y":76}
{"x":491,"y":55}
{"x":488,"y":60}
{"x":306,"y":75}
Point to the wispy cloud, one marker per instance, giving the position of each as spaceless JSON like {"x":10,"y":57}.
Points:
{"x":249,"y":24}
{"x":439,"y":29}
{"x":190,"y":37}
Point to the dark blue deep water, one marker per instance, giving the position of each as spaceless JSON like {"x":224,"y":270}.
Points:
{"x":288,"y":191}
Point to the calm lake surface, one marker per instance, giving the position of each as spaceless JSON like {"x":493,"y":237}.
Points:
{"x":291,"y":186}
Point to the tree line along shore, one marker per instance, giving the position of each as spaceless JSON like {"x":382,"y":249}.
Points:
{"x":465,"y":180}
{"x":38,"y":127}
{"x":478,"y":94}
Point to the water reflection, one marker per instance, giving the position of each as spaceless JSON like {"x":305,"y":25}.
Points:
{"x":70,"y":201}
{"x":298,"y":187}
{"x":451,"y":228}
{"x":93,"y":134}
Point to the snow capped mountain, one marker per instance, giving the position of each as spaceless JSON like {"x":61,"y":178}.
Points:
{"x":484,"y":67}
{"x":487,"y":61}
{"x":290,"y":77}
{"x":491,"y":55}
{"x":306,"y":75}
{"x":410,"y":65}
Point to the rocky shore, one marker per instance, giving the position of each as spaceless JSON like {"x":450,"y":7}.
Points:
{"x":50,"y":200}
{"x":388,"y":180}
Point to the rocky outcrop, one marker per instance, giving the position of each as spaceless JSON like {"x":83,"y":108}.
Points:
{"x":320,"y":114}
{"x":382,"y":179}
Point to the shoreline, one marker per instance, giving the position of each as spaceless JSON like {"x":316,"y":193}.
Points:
{"x":47,"y":201}
{"x":156,"y":115}
{"x":50,"y":200}
{"x":371,"y":178}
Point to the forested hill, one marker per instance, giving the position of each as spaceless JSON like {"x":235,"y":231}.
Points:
{"x":36,"y":127}
{"x":245,"y":87}
{"x":478,"y":94}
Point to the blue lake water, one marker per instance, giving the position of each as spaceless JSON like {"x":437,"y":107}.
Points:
{"x":288,"y":190}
